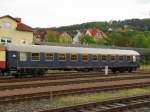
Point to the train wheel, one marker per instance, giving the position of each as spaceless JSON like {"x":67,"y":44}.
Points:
{"x":34,"y":73}
{"x":1,"y":73}
{"x":114,"y":71}
{"x":130,"y":70}
{"x":121,"y":70}
{"x":41,"y":72}
{"x":16,"y":75}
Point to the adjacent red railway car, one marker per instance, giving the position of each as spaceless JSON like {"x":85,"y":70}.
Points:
{"x":2,"y":58}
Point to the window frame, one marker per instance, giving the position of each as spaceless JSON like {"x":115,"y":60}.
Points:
{"x":96,"y":57}
{"x":105,"y":57}
{"x":6,"y":25}
{"x":50,"y":57}
{"x":38,"y":56}
{"x":71,"y":58}
{"x":9,"y":41}
{"x":58,"y":55}
{"x":82,"y":55}
{"x":130,"y":59}
{"x":25,"y":57}
{"x":120,"y":58}
{"x":114,"y":59}
{"x":5,"y":40}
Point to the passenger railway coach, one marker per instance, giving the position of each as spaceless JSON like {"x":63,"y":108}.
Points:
{"x":37,"y":59}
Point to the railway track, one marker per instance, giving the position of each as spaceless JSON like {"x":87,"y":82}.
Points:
{"x":32,"y":84}
{"x":47,"y":94}
{"x":65,"y":75}
{"x":112,"y":105}
{"x":54,"y":76}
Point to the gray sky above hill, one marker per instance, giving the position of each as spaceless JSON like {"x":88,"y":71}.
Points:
{"x":51,"y":13}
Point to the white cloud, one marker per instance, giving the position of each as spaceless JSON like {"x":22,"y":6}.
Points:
{"x":48,"y":13}
{"x":142,"y":1}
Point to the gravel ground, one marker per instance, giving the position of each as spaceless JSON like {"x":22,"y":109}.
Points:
{"x":143,"y":109}
{"x":44,"y":104}
{"x":44,"y":89}
{"x":27,"y":106}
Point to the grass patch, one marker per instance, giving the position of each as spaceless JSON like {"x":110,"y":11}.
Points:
{"x":91,"y":97}
{"x":145,"y":67}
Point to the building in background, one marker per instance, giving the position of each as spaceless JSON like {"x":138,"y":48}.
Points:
{"x":96,"y":33}
{"x":12,"y":30}
{"x":77,"y":37}
{"x":65,"y":38}
{"x":53,"y":35}
{"x":39,"y":36}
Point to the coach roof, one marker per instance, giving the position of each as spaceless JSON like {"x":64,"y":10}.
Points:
{"x":62,"y":49}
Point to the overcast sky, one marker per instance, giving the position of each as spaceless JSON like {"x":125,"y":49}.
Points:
{"x":51,"y":13}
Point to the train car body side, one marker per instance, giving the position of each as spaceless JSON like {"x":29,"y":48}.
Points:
{"x":36,"y":60}
{"x":27,"y":61}
{"x":2,"y":58}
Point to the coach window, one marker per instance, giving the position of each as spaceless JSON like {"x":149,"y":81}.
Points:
{"x":112,"y":58}
{"x":35,"y":56}
{"x":104,"y":58}
{"x":49,"y":56}
{"x":94,"y":57}
{"x":23,"y":56}
{"x":73,"y":57}
{"x":84,"y":57}
{"x":120,"y":58}
{"x":128,"y":58}
{"x":62,"y":57}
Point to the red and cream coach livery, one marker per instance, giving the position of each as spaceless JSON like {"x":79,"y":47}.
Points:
{"x":2,"y":58}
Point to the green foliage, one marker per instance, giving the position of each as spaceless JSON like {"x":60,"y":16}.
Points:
{"x":93,"y":97}
{"x":101,"y":41}
{"x":57,"y":38}
{"x":138,"y":24}
{"x":130,"y":24}
{"x":129,"y":39}
{"x":140,"y":39}
{"x":65,"y":38}
{"x":101,"y":25}
{"x":86,"y":39}
{"x":127,"y":33}
{"x":51,"y":38}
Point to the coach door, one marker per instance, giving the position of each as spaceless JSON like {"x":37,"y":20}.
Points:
{"x":12,"y":59}
{"x":22,"y":59}
{"x":134,"y":59}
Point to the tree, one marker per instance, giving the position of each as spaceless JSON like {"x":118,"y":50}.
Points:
{"x":129,"y":39}
{"x":51,"y":38}
{"x":86,"y":39}
{"x":65,"y":39}
{"x":140,"y":39}
{"x":100,"y":41}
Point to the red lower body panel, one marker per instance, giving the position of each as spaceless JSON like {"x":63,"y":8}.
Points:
{"x":2,"y":65}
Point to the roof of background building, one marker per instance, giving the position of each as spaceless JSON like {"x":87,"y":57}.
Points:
{"x":23,"y":27}
{"x":20,"y":26}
